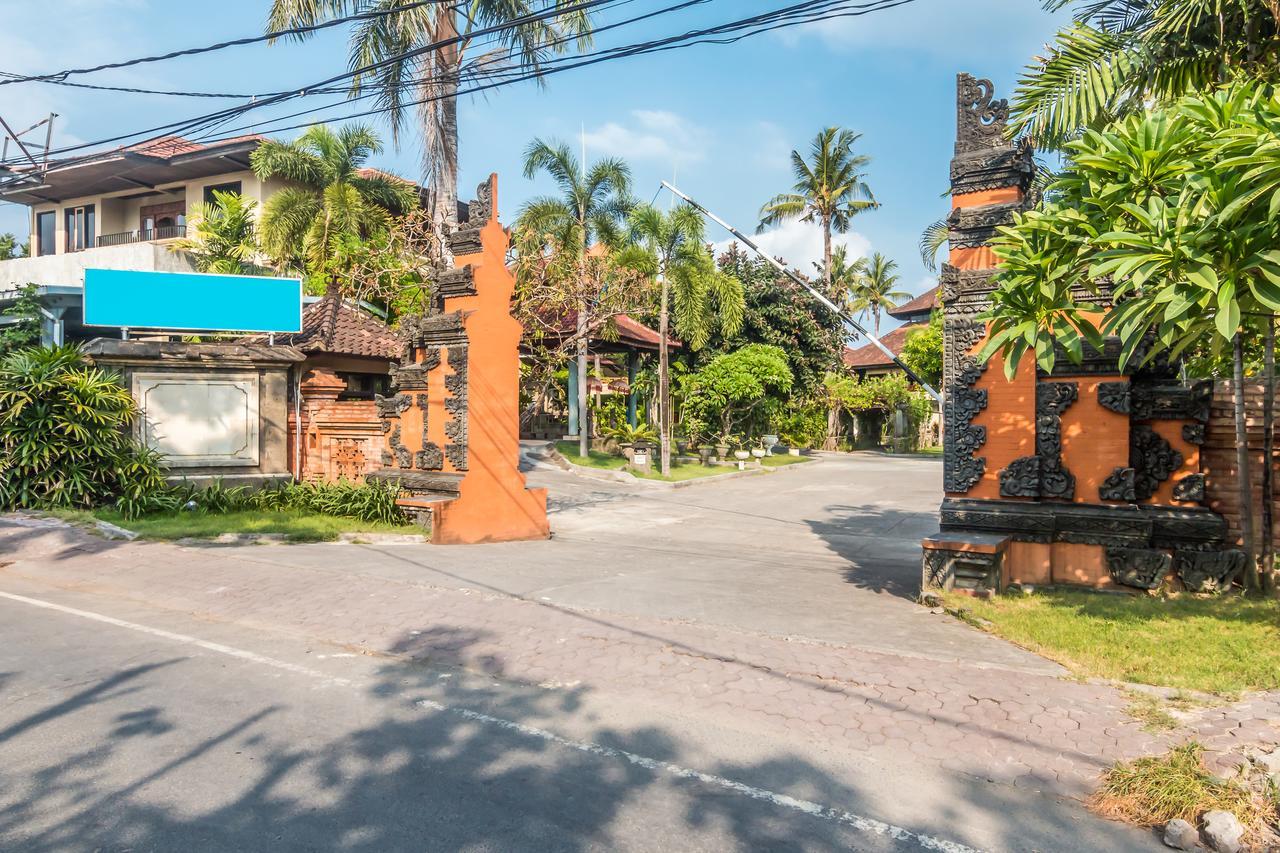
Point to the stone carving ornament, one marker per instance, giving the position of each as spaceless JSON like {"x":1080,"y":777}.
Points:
{"x":1209,"y":571}
{"x":1138,"y":567}
{"x":1044,"y":475}
{"x":980,"y":118}
{"x":1153,"y":459}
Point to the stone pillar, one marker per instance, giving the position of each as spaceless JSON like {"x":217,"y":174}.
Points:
{"x":633,"y":362}
{"x":571,"y":395}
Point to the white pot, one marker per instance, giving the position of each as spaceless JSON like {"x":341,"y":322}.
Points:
{"x":759,"y":453}
{"x":741,"y":454}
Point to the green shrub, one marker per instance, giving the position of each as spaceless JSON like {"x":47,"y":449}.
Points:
{"x":64,"y":435}
{"x":374,"y":502}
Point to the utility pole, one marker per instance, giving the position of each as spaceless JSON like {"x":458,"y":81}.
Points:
{"x":814,"y":292}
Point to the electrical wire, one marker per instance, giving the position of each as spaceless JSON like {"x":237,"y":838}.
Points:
{"x":212,"y":119}
{"x":193,"y":51}
{"x":808,"y":11}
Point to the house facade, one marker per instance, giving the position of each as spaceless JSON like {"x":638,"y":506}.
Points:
{"x":870,"y":360}
{"x":118,"y":210}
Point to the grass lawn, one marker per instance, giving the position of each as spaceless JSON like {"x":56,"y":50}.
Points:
{"x":779,"y":459}
{"x":1220,"y":645}
{"x":606,"y":462}
{"x":296,"y":525}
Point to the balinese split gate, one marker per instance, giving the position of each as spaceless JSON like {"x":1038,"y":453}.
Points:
{"x":452,"y":420}
{"x":1088,"y":475}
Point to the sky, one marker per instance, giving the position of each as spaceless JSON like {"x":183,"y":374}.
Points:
{"x":719,"y":121}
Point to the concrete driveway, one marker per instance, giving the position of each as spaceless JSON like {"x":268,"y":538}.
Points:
{"x":826,"y":551}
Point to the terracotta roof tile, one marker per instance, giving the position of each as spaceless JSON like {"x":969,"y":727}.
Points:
{"x":926,"y":301}
{"x":869,"y":355}
{"x":330,"y":325}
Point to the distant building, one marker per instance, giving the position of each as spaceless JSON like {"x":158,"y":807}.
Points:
{"x":869,"y":360}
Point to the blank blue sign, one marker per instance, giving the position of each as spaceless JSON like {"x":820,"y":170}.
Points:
{"x":192,"y":301}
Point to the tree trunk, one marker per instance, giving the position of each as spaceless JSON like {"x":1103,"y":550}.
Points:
{"x":1243,"y":467}
{"x":826,"y":255}
{"x":440,"y":117}
{"x":584,"y":429}
{"x":664,"y":379}
{"x":1268,"y":456}
{"x":833,"y":430}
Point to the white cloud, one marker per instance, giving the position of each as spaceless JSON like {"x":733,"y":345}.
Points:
{"x":656,"y":136}
{"x":939,"y":27}
{"x":799,"y":244}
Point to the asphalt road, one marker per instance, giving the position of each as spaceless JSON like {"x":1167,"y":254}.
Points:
{"x":124,"y":735}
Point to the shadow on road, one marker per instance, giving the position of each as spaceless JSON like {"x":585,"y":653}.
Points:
{"x":881,"y":544}
{"x":417,"y":769}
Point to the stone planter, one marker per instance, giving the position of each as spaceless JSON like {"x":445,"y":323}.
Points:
{"x":741,"y":455}
{"x":706,"y":453}
{"x":759,"y":452}
{"x":722,"y":451}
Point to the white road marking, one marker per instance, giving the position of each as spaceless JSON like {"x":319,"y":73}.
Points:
{"x":829,"y":813}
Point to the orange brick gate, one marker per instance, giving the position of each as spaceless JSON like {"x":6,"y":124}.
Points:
{"x":1088,"y":475}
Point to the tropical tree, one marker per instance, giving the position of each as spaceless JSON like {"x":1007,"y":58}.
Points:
{"x":780,"y":312}
{"x":922,"y":350}
{"x":872,"y":292}
{"x":705,"y":298}
{"x":592,"y":205}
{"x":1178,"y":211}
{"x":10,"y":248}
{"x":830,"y":189}
{"x":734,"y":389}
{"x":225,"y":239}
{"x":1119,"y":55}
{"x":845,"y":273}
{"x":420,"y":54}
{"x":329,"y":195}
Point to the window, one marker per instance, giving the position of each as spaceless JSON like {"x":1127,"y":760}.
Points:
{"x":363,"y":386}
{"x":80,"y":228}
{"x":46,"y":236}
{"x":232,"y":187}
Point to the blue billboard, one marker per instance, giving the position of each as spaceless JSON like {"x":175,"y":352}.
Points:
{"x":192,"y":301}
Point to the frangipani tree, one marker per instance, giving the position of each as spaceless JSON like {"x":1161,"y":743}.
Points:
{"x":706,"y":299}
{"x":1165,"y":226}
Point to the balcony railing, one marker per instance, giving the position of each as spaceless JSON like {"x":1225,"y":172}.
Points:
{"x":166,"y":232}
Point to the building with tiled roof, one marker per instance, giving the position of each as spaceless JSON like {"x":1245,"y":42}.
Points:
{"x":870,"y":360}
{"x":347,"y":340}
{"x":918,"y":309}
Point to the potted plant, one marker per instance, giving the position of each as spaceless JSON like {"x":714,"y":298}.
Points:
{"x":760,"y":451}
{"x":769,"y":441}
{"x":723,"y":446}
{"x":740,"y":451}
{"x":795,"y":446}
{"x":628,"y":436}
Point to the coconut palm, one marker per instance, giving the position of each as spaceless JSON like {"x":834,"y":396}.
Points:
{"x":328,"y":196}
{"x":1119,"y":55}
{"x":830,"y":189}
{"x":873,"y":291}
{"x":705,"y":299}
{"x":224,"y":238}
{"x":404,"y":73}
{"x":845,"y":273}
{"x":591,"y":207}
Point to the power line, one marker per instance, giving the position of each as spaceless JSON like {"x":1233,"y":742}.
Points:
{"x":658,"y":46}
{"x":808,"y":11}
{"x":213,"y":119}
{"x":192,"y":51}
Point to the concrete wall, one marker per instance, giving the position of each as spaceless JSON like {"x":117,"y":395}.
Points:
{"x":263,"y":371}
{"x":68,"y":269}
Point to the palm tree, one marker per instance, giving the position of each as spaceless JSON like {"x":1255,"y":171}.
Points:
{"x":845,"y":274}
{"x":873,"y":291}
{"x":10,"y":248}
{"x":328,"y":197}
{"x":225,"y":239}
{"x":830,"y":189}
{"x":404,"y":73}
{"x":705,"y":298}
{"x":592,"y":204}
{"x":1119,"y":55}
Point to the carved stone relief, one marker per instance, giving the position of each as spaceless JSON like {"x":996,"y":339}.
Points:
{"x":1137,"y":567}
{"x":1153,"y":459}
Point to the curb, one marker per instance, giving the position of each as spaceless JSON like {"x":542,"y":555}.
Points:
{"x":233,"y":540}
{"x":624,"y":477}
